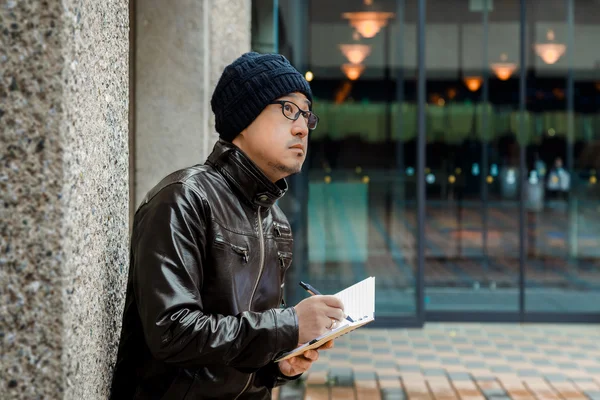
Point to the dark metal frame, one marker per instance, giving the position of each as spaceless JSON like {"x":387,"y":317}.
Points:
{"x":421,"y":142}
{"x":522,"y":168}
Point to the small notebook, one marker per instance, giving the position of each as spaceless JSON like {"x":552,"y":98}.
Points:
{"x":359,"y":305}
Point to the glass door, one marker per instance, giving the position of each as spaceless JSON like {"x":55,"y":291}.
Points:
{"x":562,"y":279}
{"x":472,"y":168}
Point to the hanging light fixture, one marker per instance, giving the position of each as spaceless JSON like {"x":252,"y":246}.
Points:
{"x":503,"y":70}
{"x":473,"y":83}
{"x":368,"y":23}
{"x":355,"y":53}
{"x":353,"y":71}
{"x":550,"y":52}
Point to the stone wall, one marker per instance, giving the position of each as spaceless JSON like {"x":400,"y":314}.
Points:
{"x":63,"y":195}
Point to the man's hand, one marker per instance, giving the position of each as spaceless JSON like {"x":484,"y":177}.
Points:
{"x":300,"y":364}
{"x":316,"y":315}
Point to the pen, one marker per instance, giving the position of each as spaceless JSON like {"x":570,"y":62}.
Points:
{"x":315,"y":292}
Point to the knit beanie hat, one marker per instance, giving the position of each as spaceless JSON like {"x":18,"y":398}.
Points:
{"x":248,"y":85}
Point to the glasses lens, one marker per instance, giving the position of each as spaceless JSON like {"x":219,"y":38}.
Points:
{"x":290,"y":110}
{"x":312,"y":121}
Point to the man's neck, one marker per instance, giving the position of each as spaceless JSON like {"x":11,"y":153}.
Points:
{"x":268,"y":173}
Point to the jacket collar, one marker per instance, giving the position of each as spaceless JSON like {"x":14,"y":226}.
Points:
{"x":245,"y":176}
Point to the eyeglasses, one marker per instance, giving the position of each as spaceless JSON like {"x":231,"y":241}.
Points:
{"x":292,"y":111}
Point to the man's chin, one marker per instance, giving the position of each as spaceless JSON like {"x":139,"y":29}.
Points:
{"x":287,"y":169}
{"x":292,"y":169}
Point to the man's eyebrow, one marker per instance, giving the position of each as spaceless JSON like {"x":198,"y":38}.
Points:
{"x":297,"y":96}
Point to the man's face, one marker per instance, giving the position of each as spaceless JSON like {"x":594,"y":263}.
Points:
{"x":274,"y":141}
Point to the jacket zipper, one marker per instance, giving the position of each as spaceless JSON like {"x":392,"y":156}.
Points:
{"x":262,"y":261}
{"x":281,"y":229}
{"x":238,"y":249}
{"x":282,"y":257}
{"x":241,"y":251}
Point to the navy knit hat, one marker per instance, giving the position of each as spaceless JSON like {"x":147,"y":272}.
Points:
{"x":248,"y":85}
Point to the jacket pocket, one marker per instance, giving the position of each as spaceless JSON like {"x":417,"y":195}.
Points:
{"x":281,"y":230}
{"x":285,"y":260}
{"x":241,"y":251}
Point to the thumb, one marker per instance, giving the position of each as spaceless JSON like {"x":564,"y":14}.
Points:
{"x":332,"y":301}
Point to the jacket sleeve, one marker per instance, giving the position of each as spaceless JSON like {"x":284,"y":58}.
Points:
{"x":168,"y":246}
{"x":270,"y":376}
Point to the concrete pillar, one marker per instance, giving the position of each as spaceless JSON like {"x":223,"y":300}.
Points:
{"x":63,"y":195}
{"x":181,"y":50}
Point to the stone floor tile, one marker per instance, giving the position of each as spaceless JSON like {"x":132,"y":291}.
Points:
{"x":343,"y":393}
{"x":441,"y":388}
{"x":370,"y":384}
{"x":390,"y":383}
{"x":587,"y":385}
{"x":368,"y":394}
{"x":317,"y":377}
{"x":467,"y":389}
{"x":392,"y":394}
{"x":417,"y":390}
{"x":540,"y":388}
{"x":316,"y":393}
{"x":568,"y":390}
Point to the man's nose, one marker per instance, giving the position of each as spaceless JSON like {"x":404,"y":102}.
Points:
{"x":300,"y":127}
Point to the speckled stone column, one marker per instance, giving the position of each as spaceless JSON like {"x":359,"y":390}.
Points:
{"x":181,"y":49}
{"x":63,"y":195}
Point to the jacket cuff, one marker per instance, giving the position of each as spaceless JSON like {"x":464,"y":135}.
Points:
{"x":270,"y":376}
{"x":286,"y":325}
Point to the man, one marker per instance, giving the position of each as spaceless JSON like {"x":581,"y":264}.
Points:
{"x":559,"y":181}
{"x":204,"y":313}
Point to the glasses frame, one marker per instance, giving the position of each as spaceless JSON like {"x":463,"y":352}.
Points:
{"x":305,"y":113}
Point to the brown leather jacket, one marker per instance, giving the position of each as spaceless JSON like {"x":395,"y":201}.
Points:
{"x":204,"y":313}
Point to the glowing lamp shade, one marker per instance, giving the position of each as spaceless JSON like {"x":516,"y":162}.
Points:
{"x":503,"y":70}
{"x":353,"y":71}
{"x":473,"y":83}
{"x":550,"y":53}
{"x":355,"y":53}
{"x":368,"y":23}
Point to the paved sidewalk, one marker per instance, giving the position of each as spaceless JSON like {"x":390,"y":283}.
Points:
{"x":457,"y":361}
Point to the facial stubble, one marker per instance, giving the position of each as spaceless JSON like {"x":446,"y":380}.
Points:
{"x":287,"y":170}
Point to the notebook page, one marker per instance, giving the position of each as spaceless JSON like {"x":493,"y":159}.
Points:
{"x":359,"y":299}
